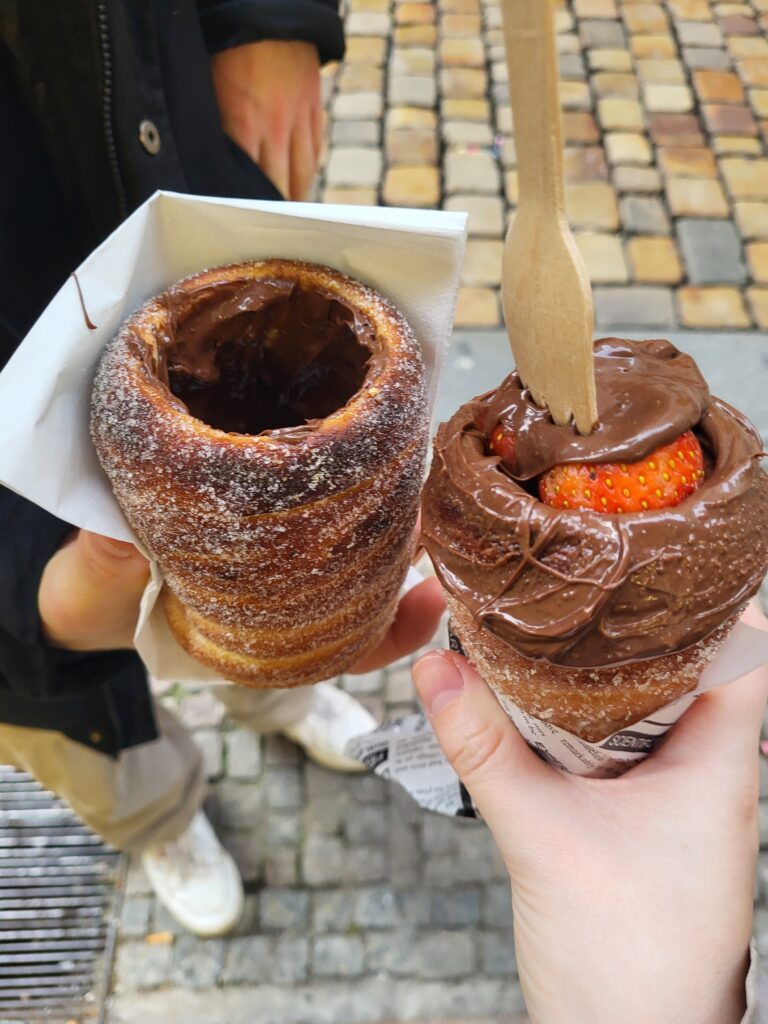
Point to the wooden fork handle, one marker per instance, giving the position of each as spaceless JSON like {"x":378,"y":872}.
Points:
{"x":533,"y":85}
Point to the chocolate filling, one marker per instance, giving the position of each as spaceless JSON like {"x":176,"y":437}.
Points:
{"x":251,"y":356}
{"x":582,"y":589}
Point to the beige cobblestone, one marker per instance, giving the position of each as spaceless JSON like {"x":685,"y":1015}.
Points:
{"x":482,"y":263}
{"x":471,"y":172}
{"x":411,"y":186}
{"x":486,"y":213}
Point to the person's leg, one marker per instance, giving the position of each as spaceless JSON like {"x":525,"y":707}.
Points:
{"x":146,"y":795}
{"x":321,"y":718}
{"x":147,"y":800}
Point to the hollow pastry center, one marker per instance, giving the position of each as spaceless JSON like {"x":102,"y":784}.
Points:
{"x":266,"y":355}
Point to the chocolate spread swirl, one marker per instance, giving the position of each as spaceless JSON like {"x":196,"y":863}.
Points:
{"x":584,"y":589}
{"x":249,"y":356}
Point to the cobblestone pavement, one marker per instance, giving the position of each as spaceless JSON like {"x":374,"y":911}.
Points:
{"x":665,"y":119}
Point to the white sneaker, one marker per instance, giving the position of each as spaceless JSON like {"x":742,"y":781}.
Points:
{"x":196,"y":879}
{"x":334,"y":720}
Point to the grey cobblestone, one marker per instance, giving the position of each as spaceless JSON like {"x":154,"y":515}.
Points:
{"x":712,"y":251}
{"x":366,"y":864}
{"x":366,"y":824}
{"x":243,"y":754}
{"x":497,"y":905}
{"x":135,"y":916}
{"x":248,"y":959}
{"x":456,"y":907}
{"x":197,"y":963}
{"x":433,"y":954}
{"x":291,"y":960}
{"x":283,"y":787}
{"x":281,"y":909}
{"x":323,"y":860}
{"x":338,"y":956}
{"x":497,"y":953}
{"x":140,"y":965}
{"x":283,"y":829}
{"x":641,"y":306}
{"x":211,"y":747}
{"x":238,"y":805}
{"x":281,"y":867}
{"x":644,"y":215}
{"x":199,"y":709}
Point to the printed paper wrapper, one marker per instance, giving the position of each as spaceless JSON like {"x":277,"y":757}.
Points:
{"x":407,"y":752}
{"x":413,"y":257}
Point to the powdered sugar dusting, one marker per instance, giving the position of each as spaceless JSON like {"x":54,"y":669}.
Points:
{"x":282,"y":544}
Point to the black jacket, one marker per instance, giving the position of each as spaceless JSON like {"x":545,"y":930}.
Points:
{"x":101,"y":103}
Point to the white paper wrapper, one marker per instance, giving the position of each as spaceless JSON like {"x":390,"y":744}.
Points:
{"x":413,"y":257}
{"x":407,"y":752}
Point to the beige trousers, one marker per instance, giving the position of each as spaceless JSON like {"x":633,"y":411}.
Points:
{"x":151,"y":792}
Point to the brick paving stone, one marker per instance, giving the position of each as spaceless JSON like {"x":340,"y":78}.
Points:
{"x":486,"y":220}
{"x":338,"y":956}
{"x":575,"y":96}
{"x":718,"y":86}
{"x":675,"y":130}
{"x":644,"y":215}
{"x":477,"y":307}
{"x":463,"y":83}
{"x":415,"y":35}
{"x":614,"y":60}
{"x":654,"y":260}
{"x":600,"y":34}
{"x":584,"y":163}
{"x":712,"y":251}
{"x":637,"y":179}
{"x":603,"y":256}
{"x":352,"y":196}
{"x":634,"y":306}
{"x":757,"y":260}
{"x":579,"y":127}
{"x":410,"y":146}
{"x":696,"y":197}
{"x":687,"y":162}
{"x":610,"y":84}
{"x":357,"y":106}
{"x":365,"y":50}
{"x":725,"y":119}
{"x":745,"y":179}
{"x":715,"y":307}
{"x":628,"y":148}
{"x":354,"y":133}
{"x":411,"y":186}
{"x":482,"y":263}
{"x":366,"y":23}
{"x":360,"y":78}
{"x":462,"y":53}
{"x":471,"y":172}
{"x":758,"y":303}
{"x":466,"y":133}
{"x":660,"y":47}
{"x":591,"y":205}
{"x":706,"y":57}
{"x":413,"y":90}
{"x":620,"y":114}
{"x":196,"y":963}
{"x":699,"y":33}
{"x":414,"y":14}
{"x":645,"y":18}
{"x":666,"y":72}
{"x":412,"y":61}
{"x":667,"y":99}
{"x":497,"y":953}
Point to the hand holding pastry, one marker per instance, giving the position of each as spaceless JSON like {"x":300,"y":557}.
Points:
{"x":632,"y":893}
{"x":269,"y":98}
{"x":90,"y":592}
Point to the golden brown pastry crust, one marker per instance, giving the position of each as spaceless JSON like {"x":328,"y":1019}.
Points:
{"x":283,"y":553}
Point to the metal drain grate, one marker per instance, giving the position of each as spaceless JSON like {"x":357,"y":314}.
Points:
{"x":57,"y":903}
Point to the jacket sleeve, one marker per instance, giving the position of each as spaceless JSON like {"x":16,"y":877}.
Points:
{"x":227,"y":23}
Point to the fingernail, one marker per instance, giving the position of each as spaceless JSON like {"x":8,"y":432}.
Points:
{"x":438,"y":681}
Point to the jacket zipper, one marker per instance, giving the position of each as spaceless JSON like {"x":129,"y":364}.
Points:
{"x":109,"y":135}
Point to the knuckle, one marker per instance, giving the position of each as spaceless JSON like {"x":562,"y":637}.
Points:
{"x":482,"y":748}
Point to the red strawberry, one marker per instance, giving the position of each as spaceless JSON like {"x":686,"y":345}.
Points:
{"x":662,"y":480}
{"x":503,"y":445}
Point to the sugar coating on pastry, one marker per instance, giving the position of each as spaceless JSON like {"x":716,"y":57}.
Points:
{"x":264,"y":427}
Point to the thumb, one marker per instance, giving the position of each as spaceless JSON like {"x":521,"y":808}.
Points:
{"x":90,"y":593}
{"x":488,"y":754}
